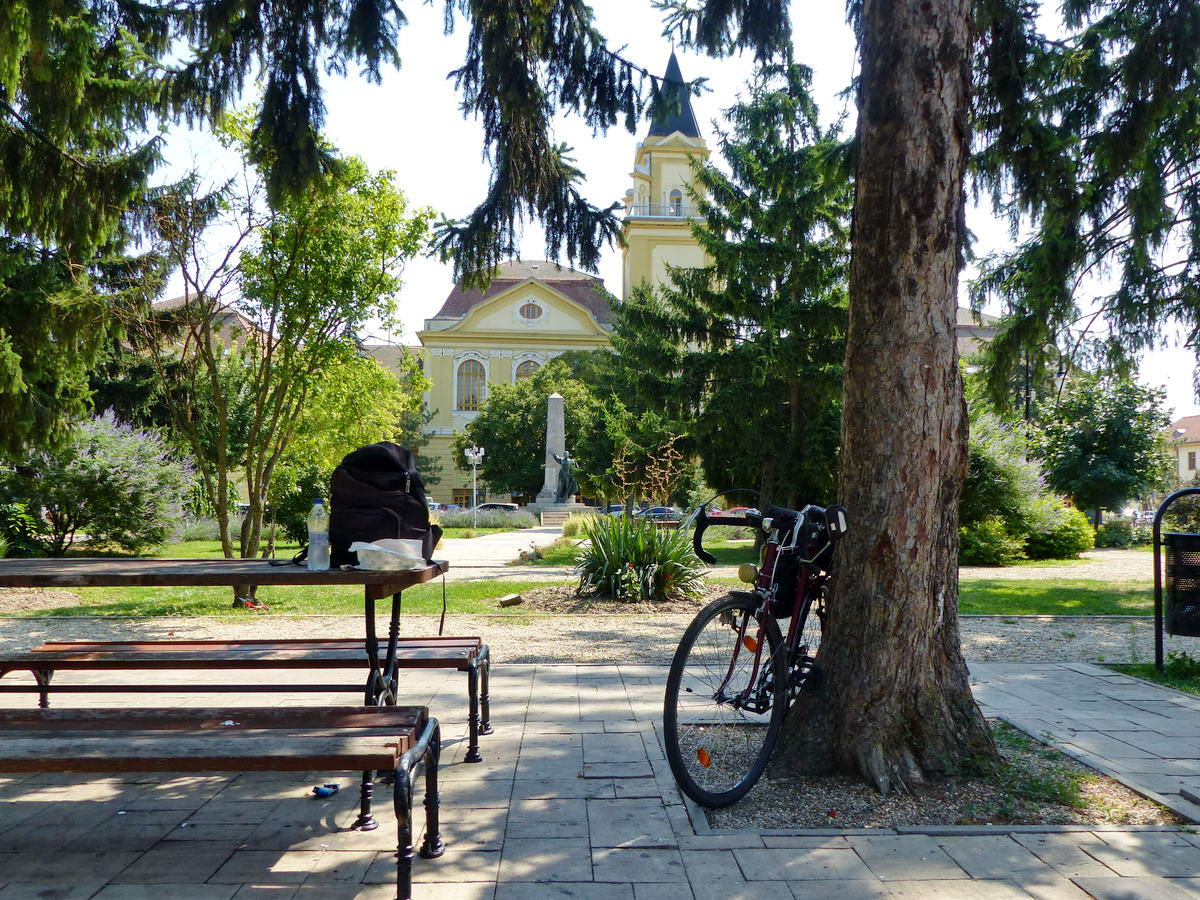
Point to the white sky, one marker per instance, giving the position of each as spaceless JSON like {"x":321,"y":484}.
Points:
{"x":411,"y":123}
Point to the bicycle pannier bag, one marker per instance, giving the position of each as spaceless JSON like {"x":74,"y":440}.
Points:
{"x":376,"y":493}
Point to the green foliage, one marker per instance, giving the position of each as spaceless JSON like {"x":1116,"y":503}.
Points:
{"x":633,"y":559}
{"x":511,"y":428}
{"x":19,"y":529}
{"x":1181,"y":664}
{"x":271,"y":381}
{"x":1000,"y":480}
{"x":752,"y":344}
{"x":1122,"y":533}
{"x":987,"y":542}
{"x":1087,"y":136}
{"x":84,"y":84}
{"x":574,"y":525}
{"x":354,"y":401}
{"x":1102,"y":445}
{"x":487,"y":518}
{"x":108,"y":481}
{"x":1067,"y":534}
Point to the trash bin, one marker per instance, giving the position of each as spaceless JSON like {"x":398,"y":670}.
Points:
{"x":1176,"y":579}
{"x":1181,"y":557}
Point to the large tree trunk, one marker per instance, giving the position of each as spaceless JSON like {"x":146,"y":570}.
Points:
{"x":896,"y":704}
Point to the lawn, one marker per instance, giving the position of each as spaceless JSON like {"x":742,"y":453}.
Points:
{"x":1178,"y":677}
{"x":1040,"y":597}
{"x":462,"y":597}
{"x":1060,"y":597}
{"x":560,"y":553}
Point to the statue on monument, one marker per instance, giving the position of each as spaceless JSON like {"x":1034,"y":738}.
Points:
{"x":568,"y":487}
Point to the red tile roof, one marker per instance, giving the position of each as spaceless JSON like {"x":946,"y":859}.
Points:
{"x":1189,"y":425}
{"x":580,"y":287}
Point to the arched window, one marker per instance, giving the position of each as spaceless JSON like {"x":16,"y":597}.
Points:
{"x":530,"y":311}
{"x":470,"y":384}
{"x":527,"y":369}
{"x":676,"y":202}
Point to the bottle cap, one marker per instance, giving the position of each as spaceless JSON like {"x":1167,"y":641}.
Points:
{"x":318,"y":499}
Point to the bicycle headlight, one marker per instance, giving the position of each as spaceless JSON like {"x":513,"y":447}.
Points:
{"x":748,"y":572}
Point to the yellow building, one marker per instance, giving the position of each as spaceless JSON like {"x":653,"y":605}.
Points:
{"x":529,"y":314}
{"x":658,"y":207}
{"x":535,"y":310}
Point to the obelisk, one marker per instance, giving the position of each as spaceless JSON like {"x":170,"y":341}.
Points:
{"x":556,"y":443}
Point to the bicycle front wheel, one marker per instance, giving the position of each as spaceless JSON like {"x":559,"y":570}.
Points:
{"x":725,"y":701}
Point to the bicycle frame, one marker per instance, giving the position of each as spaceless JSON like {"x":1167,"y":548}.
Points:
{"x":809,"y":582}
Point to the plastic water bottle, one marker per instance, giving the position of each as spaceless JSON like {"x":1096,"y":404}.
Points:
{"x":318,"y":537}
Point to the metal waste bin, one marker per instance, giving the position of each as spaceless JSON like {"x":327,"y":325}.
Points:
{"x":1176,"y":579}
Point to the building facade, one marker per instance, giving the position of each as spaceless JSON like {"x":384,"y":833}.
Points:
{"x":1183,"y":443}
{"x":534,"y":310}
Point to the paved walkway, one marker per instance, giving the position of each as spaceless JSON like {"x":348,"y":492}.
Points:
{"x":487,"y":556}
{"x":574,"y":800}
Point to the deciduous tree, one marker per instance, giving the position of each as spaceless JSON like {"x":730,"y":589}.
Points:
{"x":1102,"y":444}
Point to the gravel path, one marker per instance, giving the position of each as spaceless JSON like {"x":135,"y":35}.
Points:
{"x":647,"y":639}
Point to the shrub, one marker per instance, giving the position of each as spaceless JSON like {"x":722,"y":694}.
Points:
{"x":492,"y":518}
{"x":19,"y":530}
{"x":1000,"y":480}
{"x":107,"y":480}
{"x":1123,"y":533}
{"x":633,"y":559}
{"x":575,"y":525}
{"x":988,"y":543}
{"x":198,"y":530}
{"x":1069,"y":535}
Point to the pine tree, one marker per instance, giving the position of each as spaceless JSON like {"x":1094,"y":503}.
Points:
{"x":84,"y":83}
{"x":1088,"y":143}
{"x":748,"y":349}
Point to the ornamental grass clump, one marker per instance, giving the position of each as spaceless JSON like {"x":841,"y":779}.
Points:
{"x":631,"y":559}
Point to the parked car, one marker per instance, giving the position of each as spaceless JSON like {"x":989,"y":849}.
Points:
{"x":662,"y":514}
{"x":614,"y":510}
{"x":738,"y":511}
{"x":497,"y":507}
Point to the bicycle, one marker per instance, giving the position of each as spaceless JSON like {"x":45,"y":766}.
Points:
{"x":725,"y":698}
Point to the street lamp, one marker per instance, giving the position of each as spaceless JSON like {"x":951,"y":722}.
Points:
{"x":474,"y":456}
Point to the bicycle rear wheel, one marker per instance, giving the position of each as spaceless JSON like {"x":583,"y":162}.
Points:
{"x":724,"y":702}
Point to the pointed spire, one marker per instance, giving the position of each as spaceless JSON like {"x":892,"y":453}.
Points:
{"x":683,"y":121}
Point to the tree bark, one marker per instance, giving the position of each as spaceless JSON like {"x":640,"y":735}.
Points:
{"x":896,"y":704}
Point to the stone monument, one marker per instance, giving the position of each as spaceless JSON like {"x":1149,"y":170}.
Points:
{"x":556,"y":449}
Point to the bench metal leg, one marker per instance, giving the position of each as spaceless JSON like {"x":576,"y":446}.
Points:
{"x":473,"y":755}
{"x":43,"y":679}
{"x":428,"y":749}
{"x":485,"y":678}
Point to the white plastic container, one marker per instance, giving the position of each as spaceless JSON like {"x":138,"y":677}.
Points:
{"x":390,"y":555}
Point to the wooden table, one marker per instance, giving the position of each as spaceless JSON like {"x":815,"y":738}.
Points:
{"x":382,"y":679}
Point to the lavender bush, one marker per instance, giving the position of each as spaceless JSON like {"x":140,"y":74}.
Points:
{"x":112,"y":483}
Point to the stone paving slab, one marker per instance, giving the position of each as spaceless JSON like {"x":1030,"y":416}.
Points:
{"x":574,"y":799}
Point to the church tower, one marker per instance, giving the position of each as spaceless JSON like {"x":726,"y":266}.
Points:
{"x":657,"y":207}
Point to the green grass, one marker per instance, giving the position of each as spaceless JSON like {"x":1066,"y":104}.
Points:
{"x":731,"y":553}
{"x":1049,"y":563}
{"x":1066,"y":597}
{"x":560,"y":553}
{"x":478,"y":532}
{"x":1171,"y":676}
{"x":462,"y":596}
{"x":1061,"y":597}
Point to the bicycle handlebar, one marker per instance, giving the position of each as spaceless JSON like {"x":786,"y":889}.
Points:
{"x":834,"y":520}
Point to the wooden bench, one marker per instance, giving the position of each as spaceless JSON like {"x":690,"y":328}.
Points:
{"x":465,"y":654}
{"x":398,"y":739}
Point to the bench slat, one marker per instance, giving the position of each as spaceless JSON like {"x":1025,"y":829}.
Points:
{"x":193,"y":740}
{"x":422,"y":657}
{"x":212,"y":717}
{"x":260,"y":644}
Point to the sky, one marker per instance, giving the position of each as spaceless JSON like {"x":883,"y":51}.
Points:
{"x":412,"y":123}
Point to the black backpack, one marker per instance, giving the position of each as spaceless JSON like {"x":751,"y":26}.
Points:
{"x":376,"y":493}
